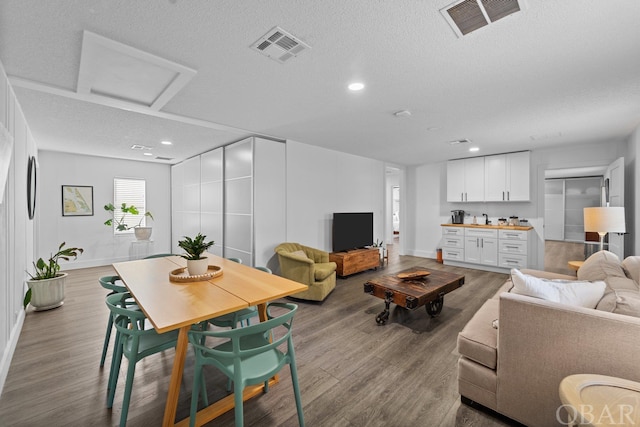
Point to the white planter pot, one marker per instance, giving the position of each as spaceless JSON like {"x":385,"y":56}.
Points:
{"x":197,"y":267}
{"x":142,"y":233}
{"x":47,"y":293}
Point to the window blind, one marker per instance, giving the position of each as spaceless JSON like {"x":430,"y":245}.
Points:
{"x":132,"y":192}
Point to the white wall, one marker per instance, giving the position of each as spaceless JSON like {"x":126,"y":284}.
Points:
{"x":321,"y":182}
{"x":16,"y":229}
{"x":426,"y":194}
{"x":100,"y":246}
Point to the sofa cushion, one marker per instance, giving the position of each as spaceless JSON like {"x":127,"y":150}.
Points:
{"x":570,"y":292}
{"x":300,"y":253}
{"x":631,"y":266}
{"x":622,"y":301}
{"x":478,"y":340}
{"x":601,"y":265}
{"x":323,"y":270}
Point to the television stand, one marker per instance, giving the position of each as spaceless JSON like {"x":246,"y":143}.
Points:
{"x":355,"y":261}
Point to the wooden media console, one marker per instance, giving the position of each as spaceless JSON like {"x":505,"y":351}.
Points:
{"x":355,"y":261}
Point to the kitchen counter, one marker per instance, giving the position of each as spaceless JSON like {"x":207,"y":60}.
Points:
{"x":492,"y":226}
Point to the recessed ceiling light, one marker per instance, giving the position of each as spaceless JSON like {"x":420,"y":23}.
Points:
{"x":356,"y":86}
{"x":474,"y":149}
{"x":166,"y":143}
{"x":148,"y":154}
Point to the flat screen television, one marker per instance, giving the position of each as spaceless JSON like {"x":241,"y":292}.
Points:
{"x":352,"y":230}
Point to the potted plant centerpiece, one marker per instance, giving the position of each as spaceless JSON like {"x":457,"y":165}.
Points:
{"x":46,"y":286}
{"x":141,"y":233}
{"x":194,"y":248}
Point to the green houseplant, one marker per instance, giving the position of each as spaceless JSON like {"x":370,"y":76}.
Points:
{"x":142,"y":233}
{"x":46,"y":286}
{"x":194,"y":248}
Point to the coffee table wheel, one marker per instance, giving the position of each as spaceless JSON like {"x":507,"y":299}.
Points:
{"x":382,"y":318}
{"x":435,"y":307}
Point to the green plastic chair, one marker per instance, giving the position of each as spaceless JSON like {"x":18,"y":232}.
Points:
{"x":135,"y":343}
{"x":249,"y":356}
{"x":238,"y":260}
{"x":110,"y":284}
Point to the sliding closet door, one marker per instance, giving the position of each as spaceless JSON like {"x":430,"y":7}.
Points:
{"x":238,"y":190}
{"x":185,"y":201}
{"x":211,"y":198}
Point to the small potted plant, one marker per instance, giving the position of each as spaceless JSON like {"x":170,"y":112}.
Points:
{"x":141,"y":233}
{"x":46,"y":286}
{"x":194,"y":248}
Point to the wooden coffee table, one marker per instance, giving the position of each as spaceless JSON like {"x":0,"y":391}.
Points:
{"x":411,"y":294}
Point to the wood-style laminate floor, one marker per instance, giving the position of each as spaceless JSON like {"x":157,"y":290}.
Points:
{"x":352,"y":372}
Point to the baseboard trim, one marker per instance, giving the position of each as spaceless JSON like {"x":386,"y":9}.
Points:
{"x":7,"y":356}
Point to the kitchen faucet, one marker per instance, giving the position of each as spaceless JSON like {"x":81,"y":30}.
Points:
{"x":486,"y":219}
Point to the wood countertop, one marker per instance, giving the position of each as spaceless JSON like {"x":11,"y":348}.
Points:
{"x":491,"y":226}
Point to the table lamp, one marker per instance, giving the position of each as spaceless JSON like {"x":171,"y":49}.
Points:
{"x":603,"y":220}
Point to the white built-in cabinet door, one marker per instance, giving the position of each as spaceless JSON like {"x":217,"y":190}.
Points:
{"x":518,"y":176}
{"x":495,"y":173}
{"x":507,"y":177}
{"x":455,"y":181}
{"x":465,"y":180}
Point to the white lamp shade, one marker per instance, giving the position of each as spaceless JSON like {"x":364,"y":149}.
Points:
{"x":604,"y":219}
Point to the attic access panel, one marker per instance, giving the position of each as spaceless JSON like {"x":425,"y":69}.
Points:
{"x":465,"y":16}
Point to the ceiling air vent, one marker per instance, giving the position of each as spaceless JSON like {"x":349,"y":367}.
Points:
{"x":279,"y":45}
{"x":466,"y":16}
{"x":164,"y":158}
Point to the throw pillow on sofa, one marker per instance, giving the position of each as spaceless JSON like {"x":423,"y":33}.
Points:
{"x":622,"y":301}
{"x":601,"y":265}
{"x":570,"y":292}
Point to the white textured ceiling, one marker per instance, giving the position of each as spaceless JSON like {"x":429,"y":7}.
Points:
{"x":563,"y":72}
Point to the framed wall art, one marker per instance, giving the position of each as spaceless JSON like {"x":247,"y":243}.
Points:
{"x":77,"y":200}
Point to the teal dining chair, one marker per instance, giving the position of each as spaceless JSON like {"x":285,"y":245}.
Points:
{"x":135,"y":343}
{"x":238,"y":260}
{"x":114,"y":286}
{"x":248,"y":356}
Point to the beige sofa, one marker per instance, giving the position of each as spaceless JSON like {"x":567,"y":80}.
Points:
{"x":516,"y":349}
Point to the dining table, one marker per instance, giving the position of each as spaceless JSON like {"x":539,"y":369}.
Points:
{"x":177,"y":305}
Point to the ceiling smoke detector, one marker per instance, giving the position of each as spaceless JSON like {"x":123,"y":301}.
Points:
{"x":459,"y":141}
{"x":465,"y":16}
{"x":280,"y":45}
{"x":402,"y":113}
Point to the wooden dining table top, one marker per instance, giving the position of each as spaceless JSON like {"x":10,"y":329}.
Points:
{"x":172,"y":305}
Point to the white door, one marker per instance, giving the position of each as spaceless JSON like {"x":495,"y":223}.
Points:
{"x":615,"y":175}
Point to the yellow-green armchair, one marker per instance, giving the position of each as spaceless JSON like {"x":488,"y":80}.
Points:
{"x":309,"y":266}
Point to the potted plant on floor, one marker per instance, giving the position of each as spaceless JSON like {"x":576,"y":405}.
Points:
{"x":141,"y":233}
{"x":194,"y":248}
{"x":46,"y":286}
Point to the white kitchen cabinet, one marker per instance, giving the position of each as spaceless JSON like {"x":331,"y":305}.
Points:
{"x":465,"y":180}
{"x":507,"y":177}
{"x":481,"y":246}
{"x":453,"y":243}
{"x":491,"y":248}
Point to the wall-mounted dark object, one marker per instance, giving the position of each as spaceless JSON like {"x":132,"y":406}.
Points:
{"x":31,"y":187}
